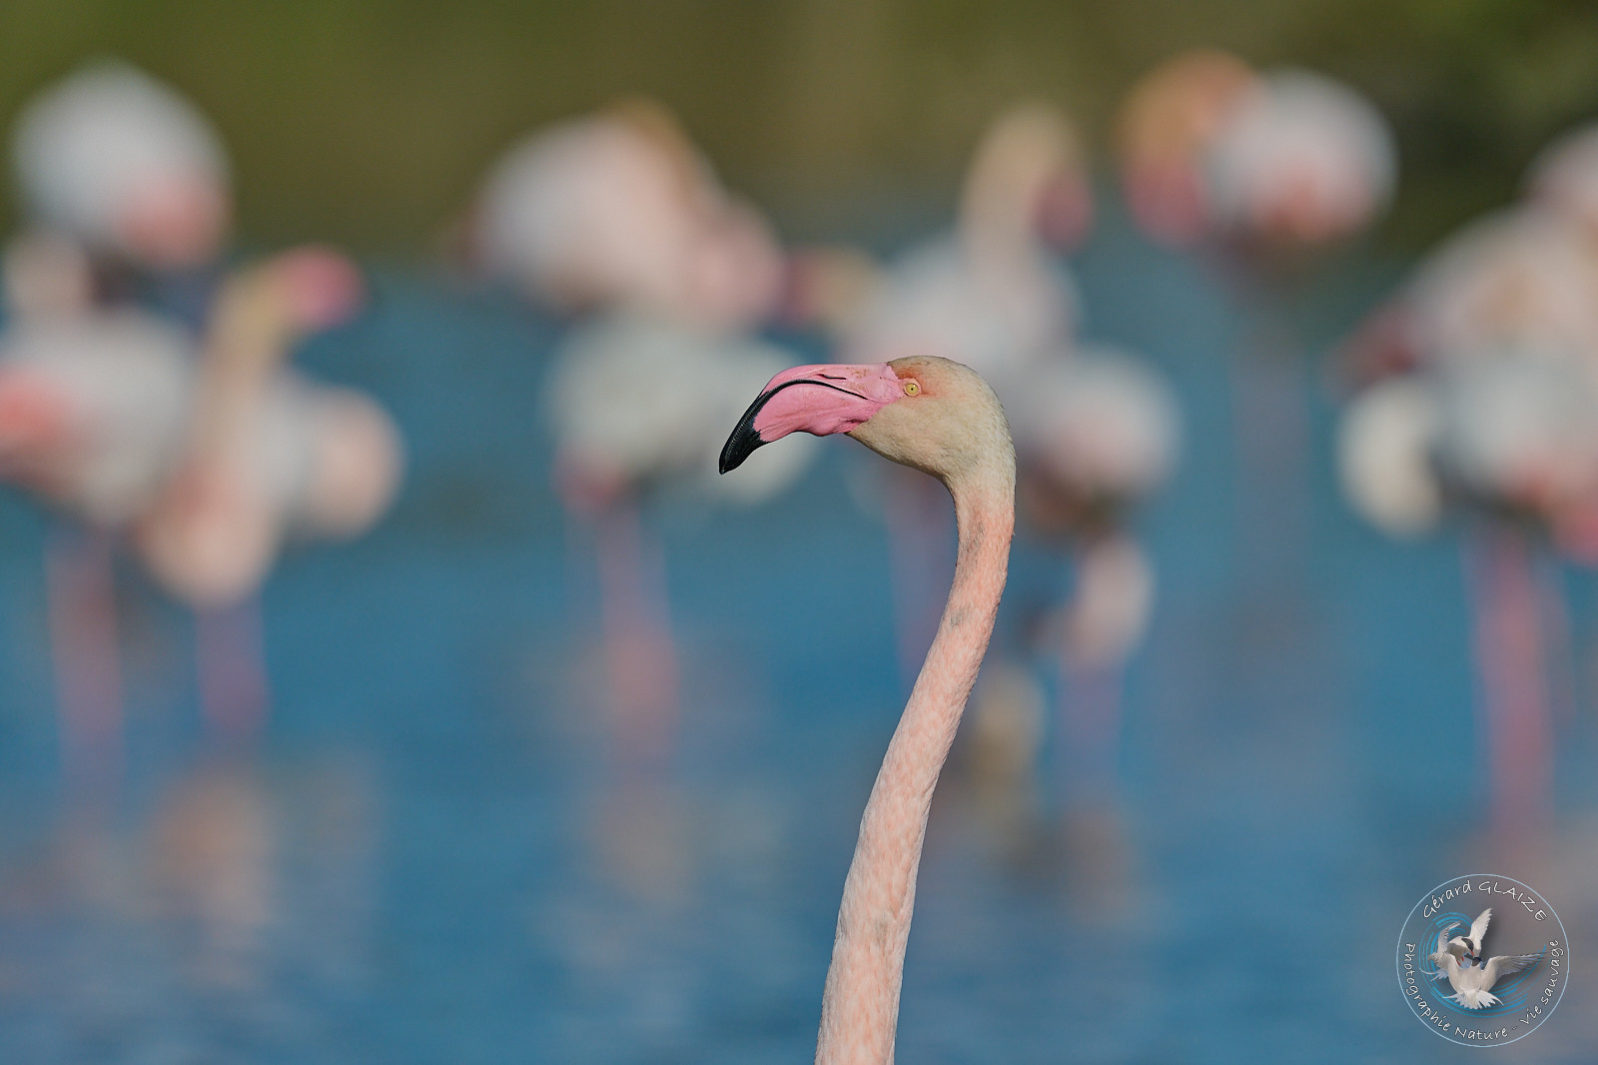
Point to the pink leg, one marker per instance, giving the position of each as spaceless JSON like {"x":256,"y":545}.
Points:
{"x":640,"y":654}
{"x":1514,"y":689}
{"x":1271,"y":434}
{"x":230,"y":658}
{"x":85,"y":656}
{"x":1090,"y":723}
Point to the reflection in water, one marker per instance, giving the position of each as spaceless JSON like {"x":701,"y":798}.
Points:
{"x":236,"y":891}
{"x":211,"y":862}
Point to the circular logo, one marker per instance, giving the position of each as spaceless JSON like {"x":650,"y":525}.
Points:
{"x":1483,"y":960}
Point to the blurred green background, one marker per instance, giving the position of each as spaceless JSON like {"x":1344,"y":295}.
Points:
{"x":368,"y":122}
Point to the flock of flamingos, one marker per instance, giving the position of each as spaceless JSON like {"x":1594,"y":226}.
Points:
{"x":148,"y":401}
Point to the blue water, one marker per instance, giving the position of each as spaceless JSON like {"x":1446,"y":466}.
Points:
{"x":433,"y":854}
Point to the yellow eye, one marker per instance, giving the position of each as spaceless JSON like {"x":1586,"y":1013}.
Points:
{"x":912,"y":388}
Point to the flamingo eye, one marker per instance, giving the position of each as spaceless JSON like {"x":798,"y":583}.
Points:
{"x":912,"y":388}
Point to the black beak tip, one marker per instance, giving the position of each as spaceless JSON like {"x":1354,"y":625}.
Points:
{"x":739,"y":446}
{"x":744,"y":438}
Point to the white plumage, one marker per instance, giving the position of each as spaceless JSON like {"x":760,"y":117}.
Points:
{"x":584,"y":210}
{"x":122,"y":163}
{"x":1385,"y":453}
{"x":1520,"y":429}
{"x":1099,"y":424}
{"x":990,"y":295}
{"x":639,"y":403}
{"x":1300,"y":158}
{"x":122,"y":384}
{"x":1522,"y":276}
{"x":620,"y":209}
{"x":1564,"y":177}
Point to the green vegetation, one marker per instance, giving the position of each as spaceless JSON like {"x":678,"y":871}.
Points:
{"x":369,"y":121}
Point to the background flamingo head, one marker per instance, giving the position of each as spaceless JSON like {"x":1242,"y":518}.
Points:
{"x":321,"y":288}
{"x":290,"y":295}
{"x":1164,"y":130}
{"x":1027,"y":180}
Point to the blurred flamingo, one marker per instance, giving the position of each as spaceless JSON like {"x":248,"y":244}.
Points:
{"x":631,"y":401}
{"x":269,"y":456}
{"x":619,"y":209}
{"x":1096,"y":435}
{"x":1509,"y":435}
{"x":1299,"y":163}
{"x":206,"y":462}
{"x":1263,"y":172}
{"x":92,"y":409}
{"x":617,"y":216}
{"x":1499,"y":333}
{"x":939,"y":417}
{"x":1163,"y":133}
{"x":990,"y":295}
{"x":117,"y":175}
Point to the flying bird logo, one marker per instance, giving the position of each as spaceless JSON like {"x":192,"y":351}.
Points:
{"x":1459,"y":961}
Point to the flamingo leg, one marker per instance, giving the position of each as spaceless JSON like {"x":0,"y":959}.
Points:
{"x":1509,"y":653}
{"x":1107,"y":618}
{"x":1090,"y":724}
{"x":85,"y":656}
{"x":640,"y":653}
{"x":230,"y":660}
{"x":1271,"y":430}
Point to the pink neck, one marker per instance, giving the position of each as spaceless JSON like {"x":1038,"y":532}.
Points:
{"x":860,"y":1007}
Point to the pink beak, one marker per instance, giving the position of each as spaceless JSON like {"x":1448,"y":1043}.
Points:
{"x":819,"y":400}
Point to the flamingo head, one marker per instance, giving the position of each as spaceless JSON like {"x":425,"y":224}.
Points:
{"x":1028,"y":181}
{"x":929,"y":413}
{"x":320,"y":287}
{"x":820,"y":400}
{"x":291,"y":295}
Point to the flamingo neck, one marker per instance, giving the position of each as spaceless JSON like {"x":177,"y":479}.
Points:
{"x":860,"y":1007}
{"x":244,"y":350}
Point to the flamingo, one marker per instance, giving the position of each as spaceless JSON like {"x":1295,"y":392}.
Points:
{"x":117,"y":175}
{"x":269,"y":456}
{"x":1163,"y":131}
{"x":1510,"y":436}
{"x":941,"y":418}
{"x":989,"y":295}
{"x":1262,"y":172}
{"x":620,"y":209}
{"x":92,"y":404}
{"x":1270,"y":165}
{"x":1096,"y":434}
{"x":1498,"y":334}
{"x":1300,"y":163}
{"x":618,"y":218}
{"x":110,"y":425}
{"x":632,"y":415}
{"x":120,"y":163}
